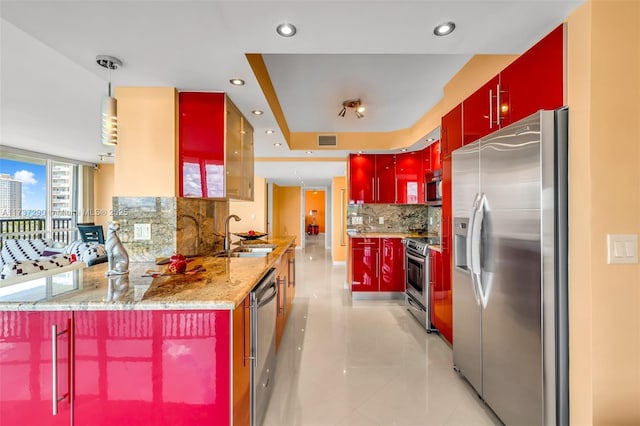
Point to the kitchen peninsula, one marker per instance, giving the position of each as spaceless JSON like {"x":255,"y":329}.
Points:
{"x":132,"y":349}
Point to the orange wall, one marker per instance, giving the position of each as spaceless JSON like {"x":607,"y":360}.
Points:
{"x":339,"y":216}
{"x":103,"y":192}
{"x":146,"y":160}
{"x":315,"y":200}
{"x":286,"y":211}
{"x":604,"y":148}
{"x":253,"y":213}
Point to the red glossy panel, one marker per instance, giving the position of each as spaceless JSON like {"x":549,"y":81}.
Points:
{"x":436,"y":162}
{"x":409,"y":178}
{"x":479,"y":111}
{"x":426,"y":159}
{"x":361,"y":178}
{"x":152,"y":367}
{"x":451,"y":131}
{"x":26,"y":368}
{"x":444,"y":320}
{"x":392,"y":265}
{"x":385,"y":179}
{"x":201,"y":138}
{"x":365,"y":258}
{"x":535,"y":81}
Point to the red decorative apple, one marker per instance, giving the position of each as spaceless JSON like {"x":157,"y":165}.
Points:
{"x":178,"y":264}
{"x":251,"y":233}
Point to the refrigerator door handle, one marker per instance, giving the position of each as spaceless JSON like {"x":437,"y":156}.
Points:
{"x":470,"y":246}
{"x":476,"y":241}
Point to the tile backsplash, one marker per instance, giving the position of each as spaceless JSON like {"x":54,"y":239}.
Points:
{"x":393,"y":218}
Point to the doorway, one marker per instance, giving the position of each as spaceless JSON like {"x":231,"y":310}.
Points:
{"x":315,"y":223}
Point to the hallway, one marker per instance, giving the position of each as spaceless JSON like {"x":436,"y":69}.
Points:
{"x":362,"y":363}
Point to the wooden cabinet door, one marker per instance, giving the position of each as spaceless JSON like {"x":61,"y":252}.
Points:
{"x":233,"y":159}
{"x":242,"y":364}
{"x":26,"y":368}
{"x":362,"y":171}
{"x":409,"y":178}
{"x":153,"y":367}
{"x":451,"y":132}
{"x":365,"y":256}
{"x":385,"y":179}
{"x":281,"y":316}
{"x":535,"y":80}
{"x":392,"y":265}
{"x":201,"y":144}
{"x":291,"y":277}
{"x":480,"y":111}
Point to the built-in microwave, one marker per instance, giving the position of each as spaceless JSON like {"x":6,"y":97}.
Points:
{"x":433,"y":188}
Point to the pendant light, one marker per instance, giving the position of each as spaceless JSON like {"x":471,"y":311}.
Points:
{"x":109,"y":103}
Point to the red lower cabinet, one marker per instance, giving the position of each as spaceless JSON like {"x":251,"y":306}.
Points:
{"x":441,"y":297}
{"x":392,"y":265}
{"x":365,"y":256}
{"x":129,"y":367}
{"x":27,"y":366}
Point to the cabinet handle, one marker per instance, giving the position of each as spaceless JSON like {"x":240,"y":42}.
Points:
{"x":377,"y":262}
{"x":498,"y":105}
{"x":244,"y":334}
{"x":54,"y":368}
{"x":378,"y":190}
{"x":491,"y":108}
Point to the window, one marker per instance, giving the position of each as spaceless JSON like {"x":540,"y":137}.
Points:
{"x":38,"y":197}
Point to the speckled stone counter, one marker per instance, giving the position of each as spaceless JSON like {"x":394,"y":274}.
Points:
{"x":223,"y":284}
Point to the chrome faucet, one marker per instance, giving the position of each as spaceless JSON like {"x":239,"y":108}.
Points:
{"x":227,"y":237}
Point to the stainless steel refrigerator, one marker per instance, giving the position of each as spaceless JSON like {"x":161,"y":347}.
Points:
{"x":510,"y":325}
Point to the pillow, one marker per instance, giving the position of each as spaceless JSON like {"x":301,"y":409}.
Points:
{"x":86,"y":251}
{"x":24,"y":267}
{"x":14,"y":250}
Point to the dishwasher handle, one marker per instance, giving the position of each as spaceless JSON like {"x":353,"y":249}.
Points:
{"x":265,"y":300}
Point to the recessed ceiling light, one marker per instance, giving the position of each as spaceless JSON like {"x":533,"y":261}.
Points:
{"x":286,"y":29}
{"x":269,"y":132}
{"x":404,"y":150}
{"x":444,"y":29}
{"x":237,"y":81}
{"x":360,"y":152}
{"x":309,"y":152}
{"x":256,"y":112}
{"x":430,"y":140}
{"x":277,"y":144}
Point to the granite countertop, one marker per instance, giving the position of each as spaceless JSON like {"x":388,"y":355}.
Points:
{"x":435,"y":247}
{"x":223,"y":284}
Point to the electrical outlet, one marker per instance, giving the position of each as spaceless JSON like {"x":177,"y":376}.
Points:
{"x":381,"y":220}
{"x":141,"y":231}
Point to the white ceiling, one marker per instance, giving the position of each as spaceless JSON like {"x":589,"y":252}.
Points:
{"x":383,"y":52}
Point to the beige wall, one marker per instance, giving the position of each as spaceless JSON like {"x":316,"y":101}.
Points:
{"x":604,"y":97}
{"x":103,"y":180}
{"x":253,"y":213}
{"x":286,"y":211}
{"x":339,"y":216}
{"x":146,"y":157}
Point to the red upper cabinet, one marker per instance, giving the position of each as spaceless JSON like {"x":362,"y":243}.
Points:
{"x":481,"y":111}
{"x":426,"y":159}
{"x":436,"y":157}
{"x":385,"y":179}
{"x":451,"y":132}
{"x":201,"y":134}
{"x":365,"y":258}
{"x":362,"y":171}
{"x":392,"y":265}
{"x":535,"y":80}
{"x":27,"y":362}
{"x":409,"y":178}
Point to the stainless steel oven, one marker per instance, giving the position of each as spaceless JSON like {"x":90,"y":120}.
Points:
{"x":417,"y":279}
{"x":433,"y":188}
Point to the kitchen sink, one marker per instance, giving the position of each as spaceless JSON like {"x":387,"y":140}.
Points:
{"x":246,"y":252}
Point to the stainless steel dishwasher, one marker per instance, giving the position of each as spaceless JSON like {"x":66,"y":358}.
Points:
{"x":263,"y":344}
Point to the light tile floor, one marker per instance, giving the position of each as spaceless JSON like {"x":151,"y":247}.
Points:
{"x":344,"y":362}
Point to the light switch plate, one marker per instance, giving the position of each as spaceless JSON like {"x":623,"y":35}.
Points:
{"x":141,"y":231}
{"x":381,"y":220}
{"x":622,"y":248}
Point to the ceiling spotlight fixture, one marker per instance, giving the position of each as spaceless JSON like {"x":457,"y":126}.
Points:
{"x":352,"y":103}
{"x":109,"y":103}
{"x":286,"y":29}
{"x":269,"y":132}
{"x":430,"y":140}
{"x":237,"y":81}
{"x":404,"y":150}
{"x":277,"y":144}
{"x":309,"y":152}
{"x":444,"y":29}
{"x":256,"y":112}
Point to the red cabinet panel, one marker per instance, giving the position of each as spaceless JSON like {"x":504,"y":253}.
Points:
{"x":409,"y":178}
{"x":385,"y":179}
{"x":152,"y":367}
{"x":201,"y":129}
{"x":392,"y":265}
{"x":365,"y":256}
{"x":535,"y":80}
{"x":26,"y":368}
{"x":436,"y":158}
{"x":445,"y":318}
{"x":426,"y":159}
{"x":362,"y":174}
{"x":441,"y":297}
{"x":480,"y":111}
{"x":451,"y":132}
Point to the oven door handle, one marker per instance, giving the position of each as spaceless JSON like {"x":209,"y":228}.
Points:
{"x":422,"y":260}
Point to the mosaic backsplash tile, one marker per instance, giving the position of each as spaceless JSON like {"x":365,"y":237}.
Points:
{"x":178,"y":225}
{"x":395,"y":217}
